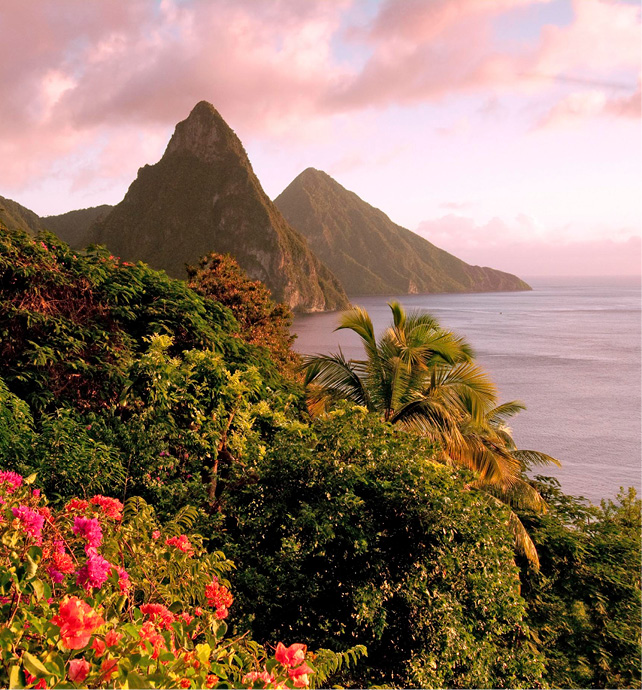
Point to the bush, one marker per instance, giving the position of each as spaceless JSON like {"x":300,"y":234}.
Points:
{"x":99,"y":595}
{"x":351,"y":534}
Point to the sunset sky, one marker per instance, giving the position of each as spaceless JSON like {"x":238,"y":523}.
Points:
{"x":505,"y":131}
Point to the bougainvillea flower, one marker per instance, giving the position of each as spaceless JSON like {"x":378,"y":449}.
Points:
{"x":149,"y":633}
{"x":107,"y":668}
{"x":123,"y":580}
{"x":159,"y":614}
{"x":30,"y":520}
{"x":299,"y":675}
{"x":253,"y":676}
{"x":78,"y":670}
{"x":76,"y":504}
{"x":112,"y":638}
{"x":112,"y":507}
{"x":94,"y":573}
{"x":290,"y":656}
{"x":182,"y":543}
{"x":98,"y":646}
{"x":89,"y":529}
{"x":219,"y":597}
{"x":10,"y":481}
{"x":63,"y":562}
{"x":77,"y":621}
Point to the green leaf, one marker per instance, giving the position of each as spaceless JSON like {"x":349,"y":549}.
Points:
{"x":16,"y":677}
{"x":34,"y":665}
{"x":136,"y":681}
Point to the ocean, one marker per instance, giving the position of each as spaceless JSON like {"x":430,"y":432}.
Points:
{"x":569,"y":350}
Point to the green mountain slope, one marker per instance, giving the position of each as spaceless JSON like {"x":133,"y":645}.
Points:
{"x":73,"y":227}
{"x":369,"y":253}
{"x":17,"y":217}
{"x":203,"y":196}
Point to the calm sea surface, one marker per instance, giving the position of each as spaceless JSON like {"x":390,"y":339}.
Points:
{"x":570,"y":350}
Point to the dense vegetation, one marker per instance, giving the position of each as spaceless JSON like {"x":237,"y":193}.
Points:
{"x":344,"y":529}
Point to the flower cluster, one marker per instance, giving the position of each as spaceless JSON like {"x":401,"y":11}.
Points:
{"x":218,"y":597}
{"x":74,"y":621}
{"x":77,"y":621}
{"x":112,"y":507}
{"x":10,"y":481}
{"x":182,"y":543}
{"x":31,"y":520}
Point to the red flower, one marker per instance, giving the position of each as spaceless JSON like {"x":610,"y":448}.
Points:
{"x":107,"y":668}
{"x":211,"y":681}
{"x":98,"y":646}
{"x":182,"y":543}
{"x":290,"y":656}
{"x":149,"y":633}
{"x":77,"y":621}
{"x":63,"y":562}
{"x":112,"y":507}
{"x":185,"y":683}
{"x":218,"y":597}
{"x":76,"y":504}
{"x":159,"y":614}
{"x":78,"y":670}
{"x":112,"y":638}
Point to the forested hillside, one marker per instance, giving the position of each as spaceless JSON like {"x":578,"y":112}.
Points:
{"x":174,"y":513}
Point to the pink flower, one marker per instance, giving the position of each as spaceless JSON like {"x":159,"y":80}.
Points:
{"x":94,"y":573}
{"x":290,"y":656}
{"x":123,"y":580}
{"x":78,"y":670}
{"x":31,"y":521}
{"x":182,"y":543}
{"x":299,"y":675}
{"x":253,"y":676}
{"x":186,"y":617}
{"x":36,"y":493}
{"x":155,"y":534}
{"x":89,"y":529}
{"x":12,"y":479}
{"x":112,"y":507}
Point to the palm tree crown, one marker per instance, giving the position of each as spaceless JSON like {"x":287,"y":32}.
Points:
{"x":423,"y":377}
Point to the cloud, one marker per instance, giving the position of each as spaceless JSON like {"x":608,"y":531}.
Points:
{"x":81,"y":77}
{"x":74,"y":74}
{"x":523,"y":247}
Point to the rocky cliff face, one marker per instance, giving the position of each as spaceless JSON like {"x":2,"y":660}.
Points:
{"x":369,"y":253}
{"x":203,"y":196}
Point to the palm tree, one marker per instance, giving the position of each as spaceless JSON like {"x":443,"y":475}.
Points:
{"x":422,"y":377}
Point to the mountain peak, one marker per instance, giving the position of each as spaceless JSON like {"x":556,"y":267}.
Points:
{"x":205,"y":134}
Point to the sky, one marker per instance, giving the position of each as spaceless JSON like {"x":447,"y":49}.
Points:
{"x":504,"y":131}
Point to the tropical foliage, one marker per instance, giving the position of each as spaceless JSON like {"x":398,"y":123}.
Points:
{"x":98,"y":594}
{"x":344,"y":529}
{"x":423,"y":378}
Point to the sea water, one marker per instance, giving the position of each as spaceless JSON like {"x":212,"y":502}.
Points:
{"x":569,"y":350}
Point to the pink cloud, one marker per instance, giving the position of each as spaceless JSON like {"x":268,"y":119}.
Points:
{"x":524,"y":248}
{"x":85,"y":76}
{"x":428,"y":50}
{"x":74,"y":74}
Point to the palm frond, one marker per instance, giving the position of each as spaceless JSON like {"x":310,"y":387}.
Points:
{"x":520,"y":494}
{"x":523,"y":543}
{"x":332,"y":377}
{"x":535,"y":458}
{"x":502,"y":413}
